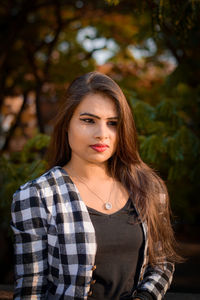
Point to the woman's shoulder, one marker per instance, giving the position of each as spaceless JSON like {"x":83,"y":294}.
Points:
{"x":50,"y":178}
{"x":38,"y":194}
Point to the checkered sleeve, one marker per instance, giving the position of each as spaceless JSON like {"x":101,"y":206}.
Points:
{"x":29,"y":225}
{"x":157,"y":279}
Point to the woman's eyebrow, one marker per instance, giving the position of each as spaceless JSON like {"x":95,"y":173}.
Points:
{"x":95,"y":116}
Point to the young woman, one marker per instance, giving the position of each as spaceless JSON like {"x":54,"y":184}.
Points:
{"x":96,"y":225}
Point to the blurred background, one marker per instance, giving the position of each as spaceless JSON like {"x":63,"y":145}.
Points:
{"x":151,"y":48}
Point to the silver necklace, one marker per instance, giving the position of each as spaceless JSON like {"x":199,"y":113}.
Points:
{"x":107,"y":204}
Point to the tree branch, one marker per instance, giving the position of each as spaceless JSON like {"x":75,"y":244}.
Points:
{"x":56,"y":35}
{"x":16,"y":123}
{"x":38,"y":110}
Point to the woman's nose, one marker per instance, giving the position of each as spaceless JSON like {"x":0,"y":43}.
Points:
{"x":101,"y":131}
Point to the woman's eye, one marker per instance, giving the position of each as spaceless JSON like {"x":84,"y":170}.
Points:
{"x":87,"y":120}
{"x":112,"y":123}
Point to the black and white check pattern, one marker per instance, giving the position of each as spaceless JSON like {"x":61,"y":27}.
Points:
{"x":155,"y":280}
{"x":55,"y":243}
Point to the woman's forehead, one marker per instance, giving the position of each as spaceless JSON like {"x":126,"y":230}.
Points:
{"x":97,"y":104}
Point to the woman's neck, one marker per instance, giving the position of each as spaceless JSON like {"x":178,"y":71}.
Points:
{"x":86,"y":170}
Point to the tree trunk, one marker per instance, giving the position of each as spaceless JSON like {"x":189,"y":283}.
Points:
{"x":15,"y":124}
{"x":38,"y":110}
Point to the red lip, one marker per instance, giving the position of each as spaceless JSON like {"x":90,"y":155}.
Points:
{"x":99,"y":147}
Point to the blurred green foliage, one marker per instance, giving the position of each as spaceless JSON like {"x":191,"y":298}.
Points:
{"x":18,"y":168}
{"x":169,"y":142}
{"x":166,"y":138}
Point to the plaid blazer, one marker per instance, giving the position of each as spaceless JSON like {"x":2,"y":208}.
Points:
{"x":55,"y":243}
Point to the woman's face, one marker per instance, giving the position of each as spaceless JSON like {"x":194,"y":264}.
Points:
{"x":92,"y":131}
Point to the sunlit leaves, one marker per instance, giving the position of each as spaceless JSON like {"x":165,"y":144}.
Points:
{"x":165,"y":140}
{"x":115,"y":2}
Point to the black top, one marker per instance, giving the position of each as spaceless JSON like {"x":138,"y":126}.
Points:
{"x":119,"y":241}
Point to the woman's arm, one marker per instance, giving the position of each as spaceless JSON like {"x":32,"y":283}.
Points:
{"x":156,"y":280}
{"x":29,"y":227}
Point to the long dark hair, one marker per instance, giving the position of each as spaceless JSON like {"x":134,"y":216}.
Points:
{"x":146,"y":188}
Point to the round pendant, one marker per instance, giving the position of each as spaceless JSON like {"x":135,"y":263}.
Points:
{"x":108,"y":205}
